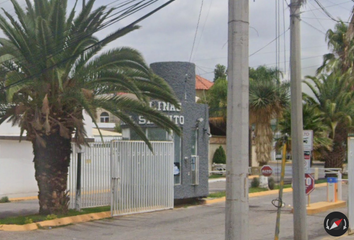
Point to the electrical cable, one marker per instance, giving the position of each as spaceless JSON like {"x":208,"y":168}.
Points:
{"x":196,"y":30}
{"x":101,"y":42}
{"x":284,"y":43}
{"x":313,"y":13}
{"x":326,"y":12}
{"x":73,"y":40}
{"x":313,"y":26}
{"x":333,"y":5}
{"x":206,"y":19}
{"x":268,"y":43}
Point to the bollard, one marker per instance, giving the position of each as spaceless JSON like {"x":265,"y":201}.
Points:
{"x":339,"y":186}
{"x":316,"y":173}
{"x":332,"y":189}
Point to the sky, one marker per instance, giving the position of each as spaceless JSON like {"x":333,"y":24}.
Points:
{"x":171,"y":33}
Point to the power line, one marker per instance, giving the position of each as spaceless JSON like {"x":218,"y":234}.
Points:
{"x":124,"y":13}
{"x":57,"y":50}
{"x":206,"y":19}
{"x":268,"y":43}
{"x":99,"y":43}
{"x":326,"y":12}
{"x":317,"y":18}
{"x":313,"y":26}
{"x":333,"y":5}
{"x":196,"y":30}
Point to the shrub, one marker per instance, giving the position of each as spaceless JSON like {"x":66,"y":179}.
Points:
{"x":4,"y":200}
{"x":255,"y":182}
{"x":271,"y":183}
{"x":28,"y":220}
{"x":51,"y":217}
{"x":219,"y":156}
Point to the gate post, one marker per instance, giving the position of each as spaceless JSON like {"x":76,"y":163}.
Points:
{"x":78,"y":150}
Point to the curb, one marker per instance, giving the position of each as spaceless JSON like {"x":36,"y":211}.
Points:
{"x":324,"y":206}
{"x":257,"y":194}
{"x":55,"y":222}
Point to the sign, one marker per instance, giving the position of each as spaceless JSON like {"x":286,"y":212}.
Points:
{"x":266,"y":171}
{"x":170,"y":110}
{"x":307,"y":162}
{"x":309,"y":183}
{"x":307,"y":137}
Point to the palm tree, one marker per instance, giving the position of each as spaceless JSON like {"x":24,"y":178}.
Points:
{"x":334,"y":98}
{"x":52,"y":72}
{"x":268,"y":98}
{"x":340,"y":44}
{"x":313,"y":119}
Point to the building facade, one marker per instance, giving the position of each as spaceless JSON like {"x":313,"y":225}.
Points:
{"x":191,"y":149}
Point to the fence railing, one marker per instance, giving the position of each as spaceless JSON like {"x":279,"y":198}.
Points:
{"x":142,"y":181}
{"x":95,"y":175}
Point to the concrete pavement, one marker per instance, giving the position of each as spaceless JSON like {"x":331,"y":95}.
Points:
{"x":197,"y":222}
{"x":262,"y":221}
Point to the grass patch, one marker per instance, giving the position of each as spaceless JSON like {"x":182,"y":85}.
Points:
{"x":321,"y":181}
{"x":20,"y":220}
{"x":257,"y":189}
{"x":216,"y":176}
{"x":285,"y":186}
{"x":217,"y":194}
{"x":223,"y":193}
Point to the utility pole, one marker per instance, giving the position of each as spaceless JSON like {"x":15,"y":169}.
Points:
{"x":299,"y":196}
{"x":236,"y":213}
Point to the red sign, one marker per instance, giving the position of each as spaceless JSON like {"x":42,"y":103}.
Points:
{"x":266,"y":171}
{"x":309,"y":183}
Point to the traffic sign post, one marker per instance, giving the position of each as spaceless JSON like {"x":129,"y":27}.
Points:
{"x":308,"y":147}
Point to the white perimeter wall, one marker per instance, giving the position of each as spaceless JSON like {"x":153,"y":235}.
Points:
{"x":16,"y":162}
{"x":17,"y":169}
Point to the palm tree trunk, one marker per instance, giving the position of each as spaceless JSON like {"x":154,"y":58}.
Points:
{"x":264,"y":142}
{"x":51,"y":169}
{"x":336,"y":156}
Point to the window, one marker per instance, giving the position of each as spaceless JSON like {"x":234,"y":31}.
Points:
{"x":177,"y":161}
{"x":194,"y":157}
{"x":104,"y":117}
{"x":157,"y":134}
{"x":194,"y":139}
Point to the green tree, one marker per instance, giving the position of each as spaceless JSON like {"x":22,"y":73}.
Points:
{"x":52,"y":72}
{"x":217,"y":99}
{"x":313,"y":119}
{"x":334,"y":98}
{"x":219,"y":155}
{"x":219,"y":72}
{"x":268,"y":98}
{"x":340,"y":43}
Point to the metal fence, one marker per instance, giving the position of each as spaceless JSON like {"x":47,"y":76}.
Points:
{"x":142,"y":181}
{"x":95,"y":175}
{"x":123,"y":174}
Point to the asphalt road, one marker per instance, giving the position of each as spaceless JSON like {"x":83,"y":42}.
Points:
{"x":196,"y":222}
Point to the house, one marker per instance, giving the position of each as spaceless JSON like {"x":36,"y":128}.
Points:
{"x":202,"y":85}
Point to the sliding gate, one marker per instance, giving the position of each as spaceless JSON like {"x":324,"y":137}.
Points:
{"x":141,"y":181}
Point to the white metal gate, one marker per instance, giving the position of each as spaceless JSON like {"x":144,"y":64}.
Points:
{"x":142,"y":181}
{"x":95,"y":175}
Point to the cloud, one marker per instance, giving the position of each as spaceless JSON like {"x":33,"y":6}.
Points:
{"x":168,"y":35}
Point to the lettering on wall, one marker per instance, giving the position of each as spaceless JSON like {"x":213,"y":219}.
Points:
{"x":164,"y":107}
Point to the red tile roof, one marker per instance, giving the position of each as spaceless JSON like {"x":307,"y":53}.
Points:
{"x":202,"y":83}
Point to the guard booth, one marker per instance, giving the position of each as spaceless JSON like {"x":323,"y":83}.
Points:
{"x":191,"y":149}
